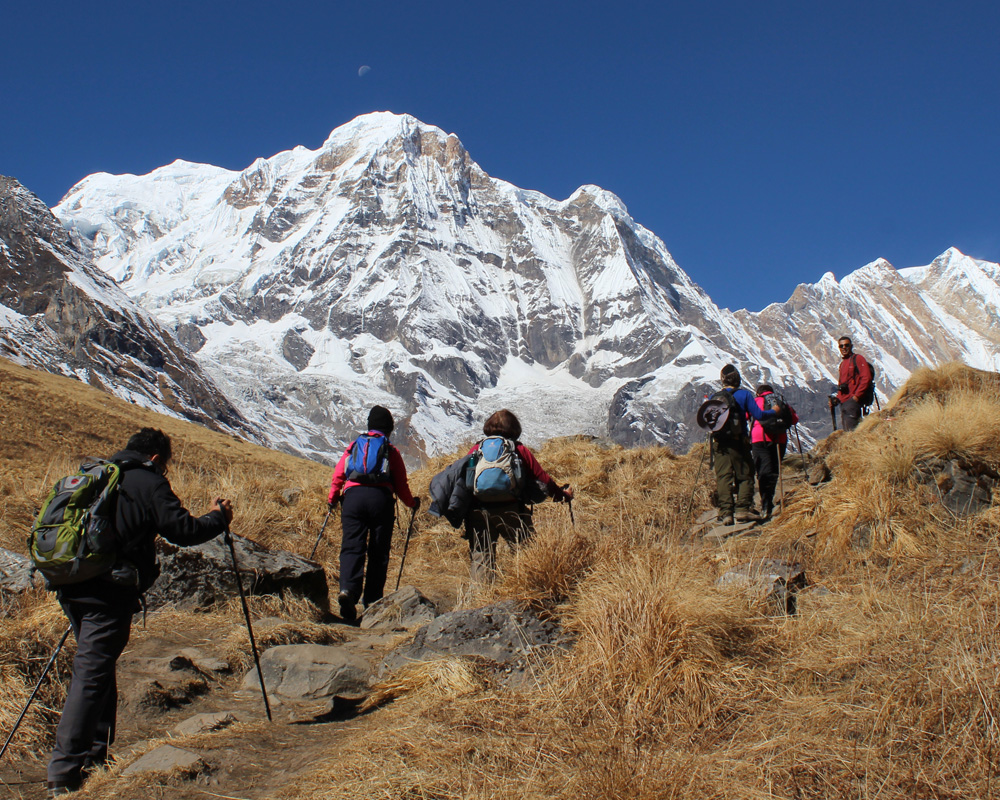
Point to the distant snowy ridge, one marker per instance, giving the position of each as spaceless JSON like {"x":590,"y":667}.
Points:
{"x":387,"y":266}
{"x":61,"y":314}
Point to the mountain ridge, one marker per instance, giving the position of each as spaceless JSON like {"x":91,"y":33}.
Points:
{"x":387,"y":266}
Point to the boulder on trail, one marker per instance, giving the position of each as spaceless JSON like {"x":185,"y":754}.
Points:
{"x":772,"y":580}
{"x":166,"y":758}
{"x":720,"y":532}
{"x":507,"y":640}
{"x":964,"y":489}
{"x":197,"y":577}
{"x":404,"y":608}
{"x":818,"y":472}
{"x":309,"y":672}
{"x":15,"y":572}
{"x":204,"y":723}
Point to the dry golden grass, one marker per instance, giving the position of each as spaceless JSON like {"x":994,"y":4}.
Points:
{"x":882,"y":687}
{"x":27,"y":640}
{"x":441,"y":679}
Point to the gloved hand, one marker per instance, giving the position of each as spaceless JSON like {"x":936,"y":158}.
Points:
{"x":563,"y":494}
{"x":416,"y":504}
{"x":332,"y":502}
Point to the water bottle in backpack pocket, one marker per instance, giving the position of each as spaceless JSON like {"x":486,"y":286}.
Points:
{"x":368,"y":460}
{"x":73,"y":538}
{"x":498,"y":475}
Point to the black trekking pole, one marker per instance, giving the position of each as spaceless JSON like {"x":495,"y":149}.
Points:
{"x":38,"y":686}
{"x":697,"y":477}
{"x":798,"y":439}
{"x":246,"y":614}
{"x":406,"y":545}
{"x":833,"y":415}
{"x":569,"y":505}
{"x":329,"y":511}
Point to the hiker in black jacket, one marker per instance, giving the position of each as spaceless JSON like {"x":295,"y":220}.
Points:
{"x":100,"y":609}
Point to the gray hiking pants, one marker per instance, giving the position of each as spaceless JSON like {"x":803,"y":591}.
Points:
{"x":733,"y":473}
{"x":850,"y":414}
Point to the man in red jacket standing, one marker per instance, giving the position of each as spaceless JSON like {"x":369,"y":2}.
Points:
{"x":855,"y":383}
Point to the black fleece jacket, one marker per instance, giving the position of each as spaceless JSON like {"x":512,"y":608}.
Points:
{"x":147,"y":507}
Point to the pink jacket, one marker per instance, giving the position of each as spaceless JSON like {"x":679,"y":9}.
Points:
{"x":757,"y":433}
{"x":396,"y":468}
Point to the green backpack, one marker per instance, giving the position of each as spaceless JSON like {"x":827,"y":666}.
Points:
{"x":73,"y":538}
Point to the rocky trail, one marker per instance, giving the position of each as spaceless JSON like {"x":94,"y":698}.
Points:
{"x":192,"y":721}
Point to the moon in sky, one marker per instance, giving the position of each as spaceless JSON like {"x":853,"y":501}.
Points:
{"x":364,"y":71}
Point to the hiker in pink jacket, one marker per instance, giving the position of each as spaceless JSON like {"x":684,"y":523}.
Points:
{"x":768,"y":449}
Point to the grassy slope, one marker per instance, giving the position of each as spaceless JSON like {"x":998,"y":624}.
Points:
{"x":883,"y":686}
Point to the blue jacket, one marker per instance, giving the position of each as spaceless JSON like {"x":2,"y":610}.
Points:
{"x":747,"y":401}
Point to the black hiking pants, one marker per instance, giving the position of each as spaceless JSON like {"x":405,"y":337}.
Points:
{"x":767,"y":457}
{"x":87,"y":725}
{"x":367,"y":516}
{"x":485,"y":526}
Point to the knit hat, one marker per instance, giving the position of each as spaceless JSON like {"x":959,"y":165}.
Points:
{"x":731,"y":376}
{"x":380,"y":419}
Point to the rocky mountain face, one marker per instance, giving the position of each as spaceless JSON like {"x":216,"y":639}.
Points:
{"x":388,"y":267}
{"x":59,"y":313}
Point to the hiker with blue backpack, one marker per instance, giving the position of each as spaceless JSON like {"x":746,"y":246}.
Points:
{"x":100,"y":583}
{"x":733,"y":460}
{"x":505,"y":478}
{"x":366,"y":480}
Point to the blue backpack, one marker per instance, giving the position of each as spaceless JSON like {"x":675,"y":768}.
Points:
{"x":368,"y":460}
{"x":498,"y":474}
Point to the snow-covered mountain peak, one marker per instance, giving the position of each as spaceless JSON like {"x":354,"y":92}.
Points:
{"x":875,"y":273}
{"x":386,"y":266}
{"x":602,"y":198}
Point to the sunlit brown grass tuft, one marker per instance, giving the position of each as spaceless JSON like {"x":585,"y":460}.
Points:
{"x":439,"y":680}
{"x":27,"y":642}
{"x":656,"y":639}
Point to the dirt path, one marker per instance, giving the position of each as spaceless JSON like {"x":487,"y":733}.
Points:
{"x":251,"y":759}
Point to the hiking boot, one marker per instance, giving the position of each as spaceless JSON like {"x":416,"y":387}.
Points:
{"x":747,"y":515}
{"x":766,"y":510}
{"x":59,"y":788}
{"x":348,"y":611}
{"x":727,"y":519}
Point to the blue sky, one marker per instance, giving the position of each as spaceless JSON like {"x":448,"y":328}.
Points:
{"x":766,"y":143}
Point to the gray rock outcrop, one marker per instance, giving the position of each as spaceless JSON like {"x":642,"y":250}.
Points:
{"x":309,"y":672}
{"x":964,"y":489}
{"x":15,"y":573}
{"x":166,"y":758}
{"x":197,"y":577}
{"x":504,"y":638}
{"x":404,"y":608}
{"x":772,"y":580}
